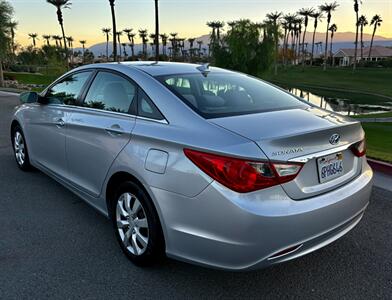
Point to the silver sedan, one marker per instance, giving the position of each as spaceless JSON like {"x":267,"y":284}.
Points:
{"x":202,"y":164}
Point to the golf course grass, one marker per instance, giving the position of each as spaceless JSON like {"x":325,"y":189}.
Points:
{"x":364,"y":80}
{"x":379,"y":140}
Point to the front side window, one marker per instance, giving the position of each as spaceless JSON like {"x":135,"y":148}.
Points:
{"x":68,"y":89}
{"x":226,"y":94}
{"x":110,"y":92}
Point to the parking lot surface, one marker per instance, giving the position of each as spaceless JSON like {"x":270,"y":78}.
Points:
{"x":53,"y":245}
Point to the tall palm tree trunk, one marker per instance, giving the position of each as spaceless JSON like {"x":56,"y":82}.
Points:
{"x":330,"y":52}
{"x":361,"y":42}
{"x":303,"y":49}
{"x":356,"y":43}
{"x":107,"y":47}
{"x":326,"y":49}
{"x":156,"y":31}
{"x":60,"y":19}
{"x":371,"y":42}
{"x":311,"y":56}
{"x":114,"y":30}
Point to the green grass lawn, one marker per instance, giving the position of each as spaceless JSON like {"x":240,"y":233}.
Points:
{"x":379,"y":140}
{"x":30,"y":78}
{"x":367,"y":80}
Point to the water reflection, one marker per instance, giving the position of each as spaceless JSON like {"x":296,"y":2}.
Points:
{"x":343,"y":106}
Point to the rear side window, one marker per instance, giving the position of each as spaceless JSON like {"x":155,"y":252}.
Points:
{"x":146,"y":107}
{"x":110,"y":92}
{"x":226,"y":94}
{"x":68,"y":89}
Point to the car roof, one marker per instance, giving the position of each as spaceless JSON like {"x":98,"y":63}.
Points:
{"x":165,"y":68}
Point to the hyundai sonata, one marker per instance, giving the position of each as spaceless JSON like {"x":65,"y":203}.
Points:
{"x":199,"y":163}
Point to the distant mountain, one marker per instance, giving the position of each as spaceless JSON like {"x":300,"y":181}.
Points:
{"x":343,"y":37}
{"x":341,"y":40}
{"x":100,"y":49}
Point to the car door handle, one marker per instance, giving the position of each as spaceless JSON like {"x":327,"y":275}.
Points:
{"x":115,"y":130}
{"x":60,"y":123}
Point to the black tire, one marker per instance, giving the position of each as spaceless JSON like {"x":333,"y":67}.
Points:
{"x":155,"y":249}
{"x":25,"y":163}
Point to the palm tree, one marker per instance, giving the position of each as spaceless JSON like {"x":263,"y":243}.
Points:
{"x":143,"y":36}
{"x":124,"y":51}
{"x":61,"y":4}
{"x":111,"y":2}
{"x":6,"y":13}
{"x":83,"y":42}
{"x":298,"y":36}
{"x":119,"y":34}
{"x":289,"y":21}
{"x":46,"y":37}
{"x":199,"y":43}
{"x":333,"y":28}
{"x":174,"y":44}
{"x":317,"y":18}
{"x":12,"y":27}
{"x":327,"y":8}
{"x":152,"y":43}
{"x":156,"y":31}
{"x":356,"y":9}
{"x":106,"y":32}
{"x":212,"y":25}
{"x":34,"y":37}
{"x":70,"y":41}
{"x":306,"y":13}
{"x":57,"y":39}
{"x":219,"y":25}
{"x":274,"y":19}
{"x":231,"y":24}
{"x":376,"y":22}
{"x":131,"y":38}
{"x":191,"y":49}
{"x":164,"y":38}
{"x":362,"y":22}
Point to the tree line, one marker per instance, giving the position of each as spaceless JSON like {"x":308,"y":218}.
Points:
{"x":242,"y":45}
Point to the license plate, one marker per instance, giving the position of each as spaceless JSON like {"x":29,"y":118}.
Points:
{"x":330,"y":167}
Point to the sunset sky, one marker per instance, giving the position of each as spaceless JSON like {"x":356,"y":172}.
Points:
{"x":187,"y":17}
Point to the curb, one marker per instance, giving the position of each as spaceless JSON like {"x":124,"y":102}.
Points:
{"x":380,"y":166}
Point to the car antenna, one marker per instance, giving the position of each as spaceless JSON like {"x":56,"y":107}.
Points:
{"x":204,"y":69}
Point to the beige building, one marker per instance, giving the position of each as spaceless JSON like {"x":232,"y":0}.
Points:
{"x":345,"y":57}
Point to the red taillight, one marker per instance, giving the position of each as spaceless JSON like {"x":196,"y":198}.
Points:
{"x":359,"y":149}
{"x":240,"y":175}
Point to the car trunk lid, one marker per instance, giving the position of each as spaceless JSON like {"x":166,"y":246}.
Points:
{"x":301,"y":135}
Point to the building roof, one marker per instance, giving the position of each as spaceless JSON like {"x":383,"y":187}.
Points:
{"x":377,"y":51}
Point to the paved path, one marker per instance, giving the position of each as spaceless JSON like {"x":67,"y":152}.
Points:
{"x":372,"y":120}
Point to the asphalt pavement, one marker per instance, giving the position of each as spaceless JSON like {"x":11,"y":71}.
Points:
{"x":53,"y":245}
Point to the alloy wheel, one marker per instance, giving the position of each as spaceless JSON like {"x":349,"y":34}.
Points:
{"x":132,"y":224}
{"x":19,"y":148}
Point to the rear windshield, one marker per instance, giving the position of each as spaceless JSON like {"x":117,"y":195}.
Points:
{"x":221,"y":94}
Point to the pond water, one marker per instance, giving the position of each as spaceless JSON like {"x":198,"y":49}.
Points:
{"x":344,"y":102}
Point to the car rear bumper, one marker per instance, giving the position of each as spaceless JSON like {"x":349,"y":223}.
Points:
{"x":224,"y":229}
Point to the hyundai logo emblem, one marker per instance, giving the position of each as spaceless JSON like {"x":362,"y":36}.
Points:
{"x":334,"y":139}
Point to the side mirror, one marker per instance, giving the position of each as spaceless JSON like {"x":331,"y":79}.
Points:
{"x":32,"y":97}
{"x":28,"y":97}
